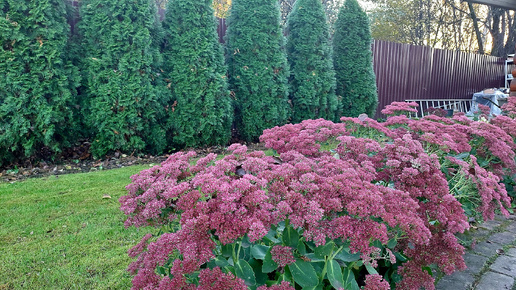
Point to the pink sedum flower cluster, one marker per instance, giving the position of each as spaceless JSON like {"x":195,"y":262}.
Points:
{"x":510,"y":107}
{"x":305,"y":137}
{"x":282,"y":255}
{"x":375,"y":282}
{"x":508,"y":125}
{"x":397,"y":108}
{"x":283,"y":286}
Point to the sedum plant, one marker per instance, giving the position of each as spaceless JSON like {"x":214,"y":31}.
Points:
{"x":340,"y":205}
{"x":356,"y":82}
{"x":264,"y":221}
{"x":194,"y":67}
{"x":124,"y":109}
{"x":312,"y":78}
{"x":36,"y":80}
{"x":257,"y":66}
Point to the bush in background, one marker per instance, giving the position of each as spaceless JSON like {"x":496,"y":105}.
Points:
{"x":257,"y":66}
{"x":356,"y":82}
{"x":36,"y":103}
{"x":312,"y":78}
{"x":124,"y":108}
{"x":201,"y":112}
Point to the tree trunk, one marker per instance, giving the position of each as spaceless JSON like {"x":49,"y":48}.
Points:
{"x":497,"y":48}
{"x":511,"y":38}
{"x":477,"y":30}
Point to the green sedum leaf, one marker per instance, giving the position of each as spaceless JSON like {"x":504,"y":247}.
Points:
{"x":349,"y":280}
{"x":314,"y":258}
{"x":268,"y":264}
{"x":259,"y":251}
{"x":392,"y":243}
{"x":324,"y":250}
{"x":221,"y":262}
{"x":370,"y":269}
{"x":335,"y":275}
{"x":271,"y":237}
{"x":345,"y":256}
{"x":303,"y":273}
{"x":290,"y":237}
{"x":244,"y":271}
{"x":261,"y":278}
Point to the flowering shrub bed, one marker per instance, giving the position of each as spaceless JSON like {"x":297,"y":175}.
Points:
{"x":348,"y":205}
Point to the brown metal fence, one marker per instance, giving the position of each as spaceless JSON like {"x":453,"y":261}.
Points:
{"x":221,"y":29}
{"x":409,"y":72}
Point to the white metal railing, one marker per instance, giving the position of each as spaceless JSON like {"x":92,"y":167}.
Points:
{"x":457,"y":105}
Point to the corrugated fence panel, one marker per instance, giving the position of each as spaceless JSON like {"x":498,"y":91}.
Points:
{"x":221,"y":29}
{"x":412,"y":72}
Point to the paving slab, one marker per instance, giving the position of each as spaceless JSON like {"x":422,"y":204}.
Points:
{"x":505,"y":265}
{"x":511,"y":217}
{"x":511,"y":228}
{"x":486,"y":249}
{"x":494,"y":281}
{"x":479,"y":233}
{"x":511,"y":252}
{"x":500,"y":217}
{"x":490,"y":225}
{"x":474,"y":263}
{"x":503,"y":238}
{"x":456,"y":281}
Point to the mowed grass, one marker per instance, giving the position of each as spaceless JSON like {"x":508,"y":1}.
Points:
{"x":60,"y":233}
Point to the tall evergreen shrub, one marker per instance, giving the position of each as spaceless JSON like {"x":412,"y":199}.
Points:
{"x":356,"y":82}
{"x":257,"y":65}
{"x":125,"y":111}
{"x":312,"y":78}
{"x":201,"y":112}
{"x":35,"y":97}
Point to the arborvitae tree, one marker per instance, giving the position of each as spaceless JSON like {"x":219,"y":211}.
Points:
{"x":257,"y":65}
{"x":356,"y":82}
{"x":201,"y":112}
{"x":35,"y":98}
{"x":124,"y":108}
{"x":312,"y":78}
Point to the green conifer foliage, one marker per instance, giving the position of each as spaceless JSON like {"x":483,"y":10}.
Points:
{"x":257,"y":65}
{"x":356,"y":82}
{"x":201,"y":112}
{"x":124,"y":108}
{"x":35,"y":97}
{"x":312,"y":78}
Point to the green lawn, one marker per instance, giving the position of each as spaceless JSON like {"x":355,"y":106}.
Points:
{"x":60,"y":233}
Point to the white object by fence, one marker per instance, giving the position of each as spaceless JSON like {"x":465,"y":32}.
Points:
{"x":457,"y":105}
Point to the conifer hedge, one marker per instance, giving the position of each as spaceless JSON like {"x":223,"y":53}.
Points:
{"x":125,"y":110}
{"x":201,"y":112}
{"x":257,"y":66}
{"x":356,"y":82}
{"x":312,"y":77}
{"x":35,"y":80}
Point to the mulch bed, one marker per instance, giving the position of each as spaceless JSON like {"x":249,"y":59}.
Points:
{"x":78,"y":159}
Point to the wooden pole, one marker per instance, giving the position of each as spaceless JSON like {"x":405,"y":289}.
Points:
{"x":513,"y":82}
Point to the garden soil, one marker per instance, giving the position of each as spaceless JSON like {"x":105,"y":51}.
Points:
{"x":78,"y":159}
